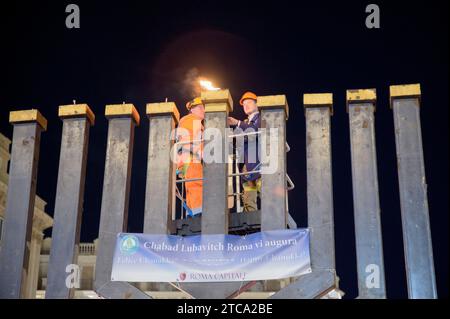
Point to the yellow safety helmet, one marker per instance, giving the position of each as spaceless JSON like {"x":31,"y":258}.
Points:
{"x":196,"y":101}
{"x":247,"y":95}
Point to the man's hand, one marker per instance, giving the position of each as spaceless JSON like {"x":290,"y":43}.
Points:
{"x":232,"y":121}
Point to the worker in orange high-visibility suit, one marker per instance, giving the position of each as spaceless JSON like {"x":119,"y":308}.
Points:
{"x":190,"y":149}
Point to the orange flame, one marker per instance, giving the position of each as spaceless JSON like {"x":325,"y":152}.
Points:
{"x":207,"y":85}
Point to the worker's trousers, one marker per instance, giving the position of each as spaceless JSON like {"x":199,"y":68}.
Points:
{"x":250,"y":195}
{"x":194,"y":189}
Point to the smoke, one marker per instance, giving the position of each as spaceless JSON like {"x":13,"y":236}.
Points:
{"x":179,"y":84}
{"x":190,"y":86}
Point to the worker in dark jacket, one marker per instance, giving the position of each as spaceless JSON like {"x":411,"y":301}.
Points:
{"x":252,"y":181}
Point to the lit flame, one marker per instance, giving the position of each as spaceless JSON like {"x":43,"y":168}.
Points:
{"x":207,"y":85}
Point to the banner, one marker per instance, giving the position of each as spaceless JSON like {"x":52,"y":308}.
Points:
{"x":205,"y":258}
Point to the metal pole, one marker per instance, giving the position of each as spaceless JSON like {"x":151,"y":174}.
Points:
{"x":69,"y":197}
{"x":274,"y":113}
{"x":238,"y":187}
{"x":116,"y":190}
{"x":405,"y":102}
{"x":230,"y":197}
{"x":318,"y":109}
{"x":159,"y":199}
{"x":215,"y":175}
{"x":14,"y":253}
{"x":369,"y":242}
{"x":182,"y":202}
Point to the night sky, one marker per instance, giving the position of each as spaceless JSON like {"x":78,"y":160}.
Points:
{"x":145,"y":51}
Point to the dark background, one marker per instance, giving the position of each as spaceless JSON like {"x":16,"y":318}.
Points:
{"x":145,"y":51}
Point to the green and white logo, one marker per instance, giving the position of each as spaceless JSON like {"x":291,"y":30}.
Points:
{"x":129,"y":244}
